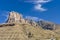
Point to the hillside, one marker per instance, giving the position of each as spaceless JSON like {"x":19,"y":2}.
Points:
{"x":24,"y":32}
{"x":17,"y":28}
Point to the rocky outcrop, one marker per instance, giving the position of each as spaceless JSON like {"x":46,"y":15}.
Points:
{"x":47,"y":25}
{"x":33,"y":23}
{"x":15,"y":17}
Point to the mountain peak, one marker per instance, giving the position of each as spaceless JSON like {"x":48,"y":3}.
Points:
{"x":14,"y":17}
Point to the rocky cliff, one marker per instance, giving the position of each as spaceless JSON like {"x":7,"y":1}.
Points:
{"x":18,"y":28}
{"x":15,"y":17}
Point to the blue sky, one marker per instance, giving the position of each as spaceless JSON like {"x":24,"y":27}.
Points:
{"x":43,"y":9}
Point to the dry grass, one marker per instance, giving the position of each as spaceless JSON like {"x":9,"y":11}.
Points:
{"x":26,"y":32}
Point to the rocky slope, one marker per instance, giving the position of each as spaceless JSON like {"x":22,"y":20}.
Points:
{"x":15,"y":17}
{"x":18,"y":28}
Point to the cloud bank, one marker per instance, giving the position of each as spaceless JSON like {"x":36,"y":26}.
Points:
{"x":38,"y":4}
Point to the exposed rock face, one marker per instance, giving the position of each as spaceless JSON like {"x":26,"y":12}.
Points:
{"x":31,"y":22}
{"x":47,"y":25}
{"x":15,"y":17}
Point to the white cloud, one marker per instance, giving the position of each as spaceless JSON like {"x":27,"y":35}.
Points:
{"x":38,"y":4}
{"x":32,"y":18}
{"x":39,"y":7}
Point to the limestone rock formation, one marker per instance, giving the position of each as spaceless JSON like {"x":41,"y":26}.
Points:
{"x":15,"y":17}
{"x":31,"y":22}
{"x":47,"y":25}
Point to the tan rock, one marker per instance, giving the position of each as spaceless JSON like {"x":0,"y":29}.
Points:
{"x":15,"y":17}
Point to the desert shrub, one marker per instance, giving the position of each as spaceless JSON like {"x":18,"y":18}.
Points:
{"x":30,"y":35}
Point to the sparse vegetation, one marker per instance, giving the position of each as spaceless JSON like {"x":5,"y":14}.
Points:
{"x":19,"y":32}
